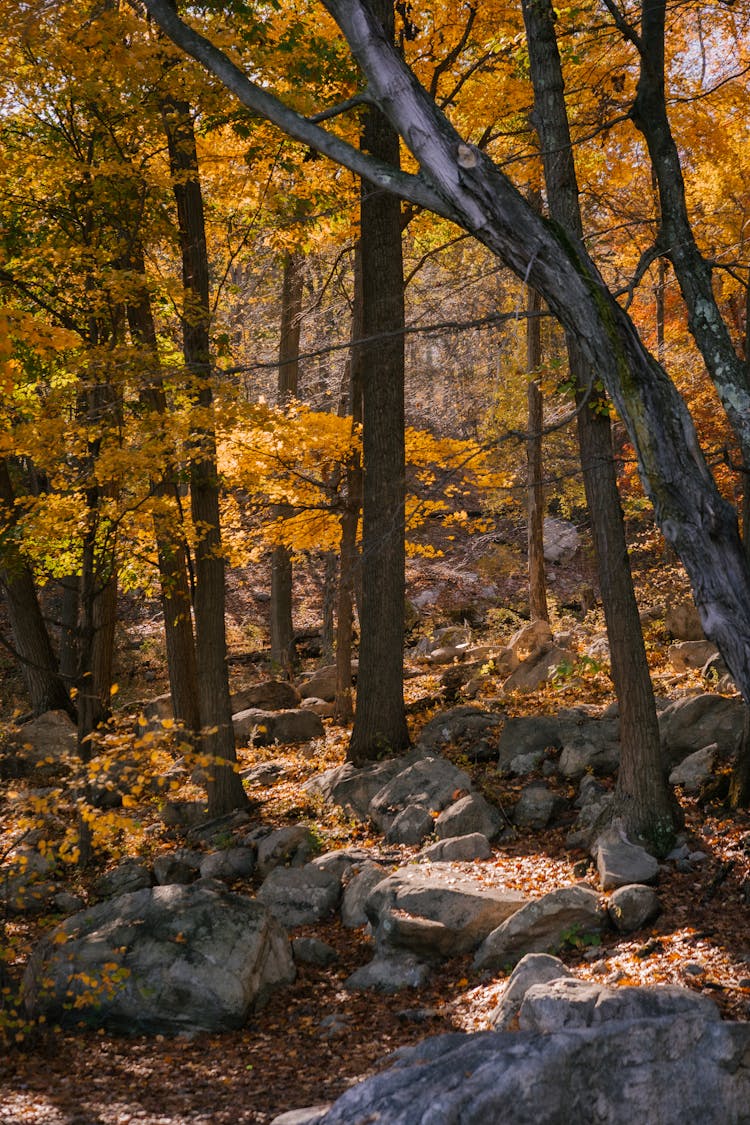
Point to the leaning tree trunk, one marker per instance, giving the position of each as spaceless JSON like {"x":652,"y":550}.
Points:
{"x":225,"y":790}
{"x":538,"y":610}
{"x":33,"y":647}
{"x":642,"y":797}
{"x":380,"y":717}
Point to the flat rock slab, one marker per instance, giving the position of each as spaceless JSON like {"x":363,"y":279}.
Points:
{"x":667,"y":1071}
{"x":160,"y":961}
{"x":436,"y":914}
{"x":566,"y":1002}
{"x":572,"y":914}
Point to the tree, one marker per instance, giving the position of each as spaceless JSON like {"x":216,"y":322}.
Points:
{"x":461,"y":182}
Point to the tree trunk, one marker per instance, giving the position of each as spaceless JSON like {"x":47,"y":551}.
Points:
{"x":225,"y":790}
{"x":538,"y":610}
{"x":281,"y":623}
{"x":642,"y":798}
{"x":33,"y":647}
{"x":380,"y":718}
{"x":172,"y":550}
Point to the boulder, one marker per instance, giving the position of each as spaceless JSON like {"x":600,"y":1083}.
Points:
{"x":358,"y":883}
{"x":470,"y":814}
{"x":311,"y":951}
{"x":299,"y":896}
{"x":353,"y":788}
{"x":694,"y":771}
{"x":684,"y":655}
{"x":160,"y":961}
{"x":537,"y":806}
{"x":619,"y":861}
{"x":271,"y":695}
{"x":435,"y":914}
{"x":633,"y":906}
{"x":173,"y":869}
{"x":683,"y":622}
{"x":25,"y":884}
{"x":466,"y":725}
{"x":530,"y":638}
{"x":561,"y":540}
{"x":537,"y":669}
{"x":565,"y":1003}
{"x":457,"y":849}
{"x":592,"y":801}
{"x":230,"y":863}
{"x":291,"y":846}
{"x":126,"y":877}
{"x":566,"y":916}
{"x":411,"y":826}
{"x":667,"y":1071}
{"x":690,"y":724}
{"x":263,"y":728}
{"x":51,"y":735}
{"x":431,"y":783}
{"x":534,"y":968}
{"x":321,"y":684}
{"x":389,"y":971}
{"x":527,"y":735}
{"x":582,"y":755}
{"x":341,"y":861}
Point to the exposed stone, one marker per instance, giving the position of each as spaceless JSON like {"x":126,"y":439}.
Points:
{"x":52,"y":734}
{"x":341,"y":861}
{"x":534,"y":968}
{"x":633,"y":906}
{"x":694,"y":771}
{"x":162,"y":961}
{"x":527,"y":735}
{"x":411,"y":826}
{"x":568,"y":1003}
{"x":263,"y":728}
{"x":620,"y":862}
{"x":172,"y":869}
{"x":561,"y":540}
{"x":530,"y":638}
{"x":126,"y":877}
{"x":572,"y":914}
{"x":389,"y":972}
{"x":458,"y":848}
{"x":536,"y":669}
{"x":265,"y":773}
{"x":435,"y":914}
{"x":690,"y":654}
{"x":690,"y":724}
{"x":465,"y":725}
{"x":357,"y":887}
{"x":470,"y":814}
{"x":183,"y":814}
{"x":431,"y":783}
{"x":299,"y":896}
{"x":683,"y":622}
{"x":311,"y":951}
{"x":353,"y":788}
{"x":537,"y":806}
{"x":271,"y":695}
{"x":231,"y":863}
{"x":293,"y":845}
{"x":582,"y":755}
{"x":321,"y":684}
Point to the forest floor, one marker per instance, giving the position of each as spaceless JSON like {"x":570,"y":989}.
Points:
{"x":287,"y":1056}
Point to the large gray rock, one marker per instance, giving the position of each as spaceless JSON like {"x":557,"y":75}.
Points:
{"x":666,"y":1071}
{"x":228,"y":864}
{"x":633,"y":906}
{"x":292,"y":846}
{"x":271,"y":695}
{"x":620,"y":862}
{"x":683,"y":622}
{"x":537,"y":806}
{"x":586,"y":755}
{"x":458,"y":848}
{"x":128,"y":876}
{"x":691,"y":654}
{"x":160,"y":961}
{"x":299,"y":896}
{"x":566,"y":916}
{"x":25,"y":882}
{"x":410,"y":826}
{"x":321,"y":684}
{"x":436,"y":914}
{"x":52,"y":734}
{"x":534,"y":968}
{"x":536,"y":669}
{"x":352,"y":787}
{"x":565,"y":1002}
{"x":431,"y":783}
{"x":470,"y":814}
{"x":466,"y":725}
{"x":527,"y":735}
{"x":263,"y":728}
{"x":561,"y":540}
{"x":358,"y":884}
{"x":695,"y":770}
{"x":690,"y":724}
{"x":389,"y":971}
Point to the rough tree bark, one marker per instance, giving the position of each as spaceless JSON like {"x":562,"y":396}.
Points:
{"x":225,"y":790}
{"x":380,"y":717}
{"x":33,"y":647}
{"x":281,"y":624}
{"x":642,"y":798}
{"x":538,"y":610}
